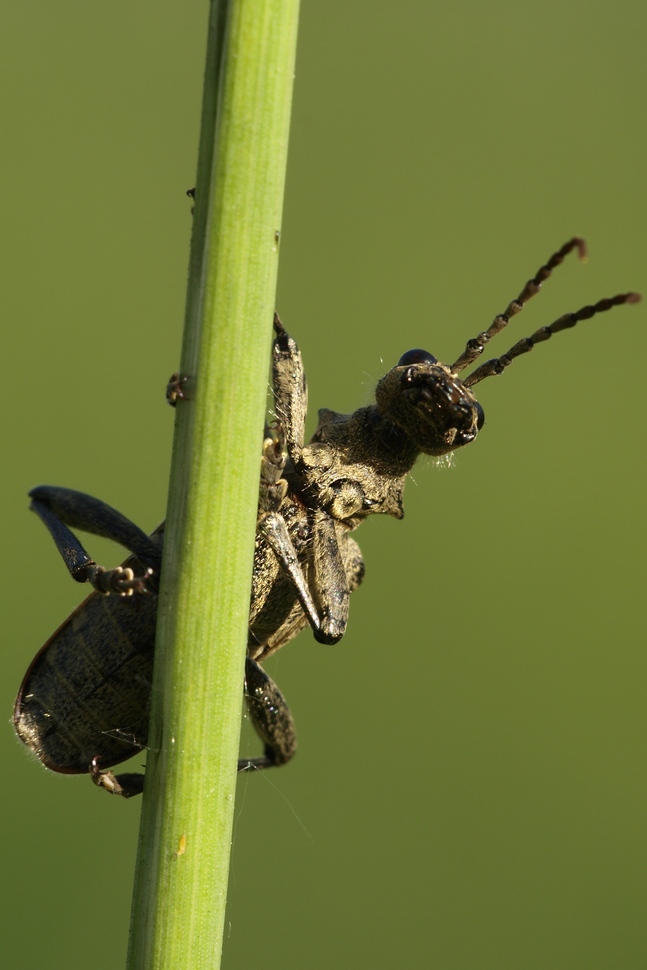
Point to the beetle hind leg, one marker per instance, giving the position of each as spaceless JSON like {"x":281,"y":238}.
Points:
{"x":62,"y":509}
{"x":271,"y":718}
{"x":126,"y":784}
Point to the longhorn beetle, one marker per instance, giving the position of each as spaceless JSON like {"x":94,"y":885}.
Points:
{"x":84,"y":703}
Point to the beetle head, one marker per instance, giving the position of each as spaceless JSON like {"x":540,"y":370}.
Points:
{"x":433,"y":406}
{"x":430,"y":403}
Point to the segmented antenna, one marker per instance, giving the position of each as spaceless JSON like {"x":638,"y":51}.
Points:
{"x":498,"y":364}
{"x":476,"y":345}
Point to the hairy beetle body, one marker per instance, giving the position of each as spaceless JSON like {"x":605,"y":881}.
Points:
{"x":84,"y":703}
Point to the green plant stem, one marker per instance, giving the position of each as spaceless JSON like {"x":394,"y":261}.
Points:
{"x":183,"y":859}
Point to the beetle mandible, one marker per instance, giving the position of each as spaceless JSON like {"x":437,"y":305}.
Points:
{"x":83,"y":706}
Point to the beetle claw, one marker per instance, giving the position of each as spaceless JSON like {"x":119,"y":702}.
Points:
{"x":126,"y":785}
{"x":177,"y":390}
{"x":120,"y":580}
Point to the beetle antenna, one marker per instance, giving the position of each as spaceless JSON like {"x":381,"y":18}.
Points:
{"x":498,"y":364}
{"x":476,"y":345}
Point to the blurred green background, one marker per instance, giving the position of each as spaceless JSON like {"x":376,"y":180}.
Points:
{"x":470,"y":789}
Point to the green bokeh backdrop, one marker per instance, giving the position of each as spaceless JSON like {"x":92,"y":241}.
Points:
{"x":470,"y":787}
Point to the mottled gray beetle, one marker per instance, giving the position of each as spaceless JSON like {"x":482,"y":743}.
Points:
{"x":84,"y":703}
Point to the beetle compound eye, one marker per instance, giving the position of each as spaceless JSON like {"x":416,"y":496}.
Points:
{"x":480,"y":415}
{"x":417,"y":356}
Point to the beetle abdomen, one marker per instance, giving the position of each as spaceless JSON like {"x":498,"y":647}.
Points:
{"x":87,"y":692}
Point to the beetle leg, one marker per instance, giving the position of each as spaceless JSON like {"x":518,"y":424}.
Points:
{"x":63,"y":507}
{"x":274,"y":528}
{"x":271,"y":718}
{"x":176,"y":389}
{"x":329,"y":582}
{"x":290,"y":389}
{"x":273,"y":487}
{"x":336,"y":571}
{"x":126,"y":784}
{"x":272,"y":524}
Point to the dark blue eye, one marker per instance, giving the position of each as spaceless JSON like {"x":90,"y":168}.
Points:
{"x":480,"y":415}
{"x":417,"y":356}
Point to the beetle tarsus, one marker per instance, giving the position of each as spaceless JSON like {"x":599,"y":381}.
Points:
{"x":255,"y":764}
{"x":121,"y":580}
{"x":177,"y":390}
{"x":126,"y":785}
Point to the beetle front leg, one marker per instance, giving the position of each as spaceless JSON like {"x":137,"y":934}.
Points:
{"x":273,"y":527}
{"x":330,"y":582}
{"x":325,"y":599}
{"x":290,"y":389}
